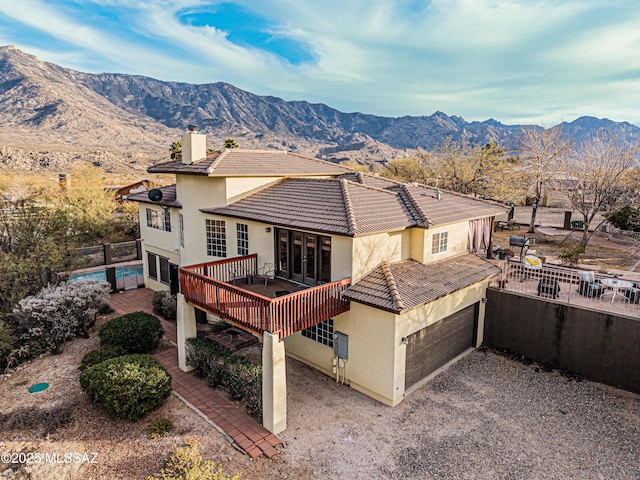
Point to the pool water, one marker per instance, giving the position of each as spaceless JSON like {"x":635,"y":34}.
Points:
{"x":121,"y":273}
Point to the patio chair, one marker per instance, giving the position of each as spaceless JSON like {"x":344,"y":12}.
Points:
{"x":548,"y":286}
{"x":588,"y":286}
{"x":266,"y":273}
{"x":235,"y":274}
{"x":634,"y":293}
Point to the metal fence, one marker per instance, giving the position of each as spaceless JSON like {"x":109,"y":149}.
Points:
{"x":109,"y":253}
{"x":593,"y":290}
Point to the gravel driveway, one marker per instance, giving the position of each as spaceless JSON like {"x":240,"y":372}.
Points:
{"x":487,"y":416}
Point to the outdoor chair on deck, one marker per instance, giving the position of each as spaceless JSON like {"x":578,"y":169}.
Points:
{"x":588,"y":285}
{"x":235,"y":274}
{"x":547,"y":286}
{"x":634,"y":293}
{"x":266,"y":273}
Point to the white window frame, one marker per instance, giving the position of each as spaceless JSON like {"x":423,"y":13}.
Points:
{"x":181,"y":229}
{"x":321,"y":333}
{"x":159,"y":219}
{"x":216,"y":238}
{"x":439,"y":242}
{"x":242,"y":238}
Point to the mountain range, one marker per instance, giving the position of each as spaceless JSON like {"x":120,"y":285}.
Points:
{"x":54,"y":116}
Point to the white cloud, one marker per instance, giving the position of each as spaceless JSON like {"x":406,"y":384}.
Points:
{"x":508,"y":59}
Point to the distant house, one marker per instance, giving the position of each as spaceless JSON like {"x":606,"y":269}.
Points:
{"x":368,"y":280}
{"x":139,"y":186}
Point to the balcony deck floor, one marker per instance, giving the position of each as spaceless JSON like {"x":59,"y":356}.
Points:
{"x":273,"y":286}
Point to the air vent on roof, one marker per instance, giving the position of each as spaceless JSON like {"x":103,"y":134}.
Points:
{"x":193,"y":128}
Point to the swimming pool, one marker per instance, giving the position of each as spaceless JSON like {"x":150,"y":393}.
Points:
{"x":124,"y":274}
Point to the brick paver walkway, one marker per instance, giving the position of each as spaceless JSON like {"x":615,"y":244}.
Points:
{"x":241,"y":428}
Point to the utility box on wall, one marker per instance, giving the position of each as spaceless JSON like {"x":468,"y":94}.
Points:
{"x":341,"y":345}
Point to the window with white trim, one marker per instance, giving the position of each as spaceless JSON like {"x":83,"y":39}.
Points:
{"x":242,"y":234}
{"x":181,"y":229}
{"x":152,"y":264}
{"x":158,"y":219}
{"x":216,"y":238}
{"x":439,"y":242}
{"x":321,"y":333}
{"x":164,"y":270}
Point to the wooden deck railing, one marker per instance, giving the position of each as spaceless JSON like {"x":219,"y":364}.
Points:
{"x":206,"y":286}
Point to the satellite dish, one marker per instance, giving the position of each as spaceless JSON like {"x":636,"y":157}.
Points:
{"x":155,"y":195}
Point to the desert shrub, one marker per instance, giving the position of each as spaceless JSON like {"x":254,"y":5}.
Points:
{"x":169,"y":307}
{"x":186,"y":463}
{"x":241,"y":377}
{"x":156,"y":301}
{"x":46,"y":421}
{"x":100,"y":355}
{"x":128,"y":387}
{"x":164,"y":304}
{"x":202,"y":354}
{"x":160,"y":427}
{"x":571,"y":253}
{"x":58,"y":313}
{"x":137,"y":332}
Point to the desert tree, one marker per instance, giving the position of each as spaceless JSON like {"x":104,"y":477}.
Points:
{"x":541,"y":151}
{"x":90,"y":206}
{"x":413,"y":169}
{"x":230,"y":143}
{"x":34,"y":246}
{"x":176,"y":150}
{"x":598,"y":179}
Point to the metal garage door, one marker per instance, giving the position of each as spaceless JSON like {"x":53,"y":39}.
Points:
{"x":438,"y":343}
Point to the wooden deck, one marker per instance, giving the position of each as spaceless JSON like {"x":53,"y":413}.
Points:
{"x":254,"y":307}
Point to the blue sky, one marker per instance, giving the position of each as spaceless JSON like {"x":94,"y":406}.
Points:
{"x":518,"y":61}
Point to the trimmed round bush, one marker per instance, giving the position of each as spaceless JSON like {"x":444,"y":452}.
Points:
{"x":130,"y":386}
{"x":100,"y":355}
{"x":136,"y":332}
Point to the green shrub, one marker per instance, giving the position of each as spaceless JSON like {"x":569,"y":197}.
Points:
{"x":156,"y":301}
{"x":186,"y":463}
{"x":571,"y":253}
{"x":164,"y":304}
{"x":128,"y":387}
{"x":241,"y":378}
{"x":203,"y":353}
{"x":136,"y":332}
{"x":100,"y":355}
{"x":160,"y":427}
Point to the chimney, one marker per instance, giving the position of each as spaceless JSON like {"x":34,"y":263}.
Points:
{"x":194,"y":146}
{"x":64,"y":179}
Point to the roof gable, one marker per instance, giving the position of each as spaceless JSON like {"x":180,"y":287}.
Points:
{"x":252,"y":163}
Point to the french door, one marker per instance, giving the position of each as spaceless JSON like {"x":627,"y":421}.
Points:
{"x":298,"y":257}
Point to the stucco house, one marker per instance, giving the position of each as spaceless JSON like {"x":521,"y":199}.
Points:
{"x":377,"y":285}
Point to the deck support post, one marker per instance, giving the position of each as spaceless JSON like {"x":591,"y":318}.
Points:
{"x":186,"y":323}
{"x":274,"y":384}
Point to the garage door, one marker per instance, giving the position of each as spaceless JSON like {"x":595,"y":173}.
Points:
{"x":438,"y":343}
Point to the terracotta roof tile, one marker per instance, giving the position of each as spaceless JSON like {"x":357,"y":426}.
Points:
{"x":168,"y":197}
{"x":400,"y":286}
{"x":324,"y":205}
{"x":252,"y":163}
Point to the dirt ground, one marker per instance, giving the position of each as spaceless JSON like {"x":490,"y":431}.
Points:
{"x":486,"y":416}
{"x":601,"y":252}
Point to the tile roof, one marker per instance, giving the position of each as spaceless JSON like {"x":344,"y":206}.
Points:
{"x":452,"y":207}
{"x":251,"y":163}
{"x":324,"y":205}
{"x":168,"y":197}
{"x":400,"y":286}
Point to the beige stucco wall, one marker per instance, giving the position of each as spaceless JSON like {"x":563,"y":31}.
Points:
{"x":160,"y":242}
{"x":370,"y":250}
{"x":238,"y":188}
{"x":457,"y":238}
{"x":377,"y":356}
